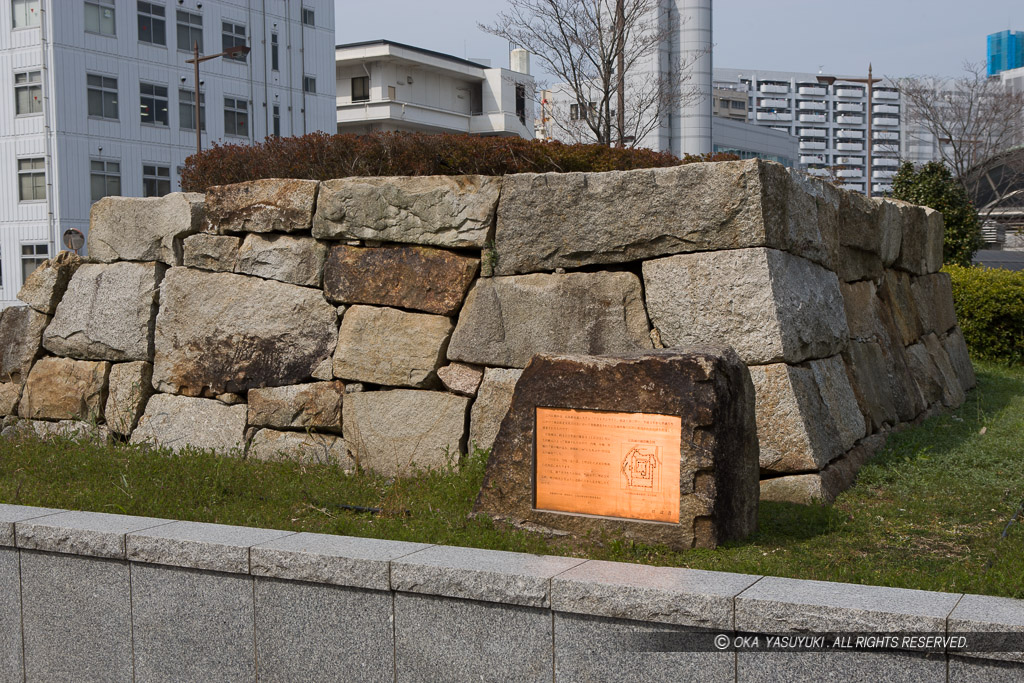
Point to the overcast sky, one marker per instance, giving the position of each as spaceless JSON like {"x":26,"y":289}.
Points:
{"x":900,"y":37}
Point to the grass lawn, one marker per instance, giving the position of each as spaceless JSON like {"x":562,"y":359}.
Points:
{"x":933,"y":511}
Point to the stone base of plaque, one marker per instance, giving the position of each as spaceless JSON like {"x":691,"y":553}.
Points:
{"x":659,"y":448}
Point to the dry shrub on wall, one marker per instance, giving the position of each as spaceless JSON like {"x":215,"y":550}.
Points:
{"x":319,"y":156}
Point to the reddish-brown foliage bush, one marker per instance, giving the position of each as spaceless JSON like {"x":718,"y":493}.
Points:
{"x":319,"y":156}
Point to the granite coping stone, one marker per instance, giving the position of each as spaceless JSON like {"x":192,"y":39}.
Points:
{"x":485,"y":575}
{"x":11,"y":514}
{"x":339,"y":560}
{"x":777,"y":604}
{"x":199,"y":545}
{"x":668,"y":595}
{"x":97,"y":534}
{"x":986,"y":613}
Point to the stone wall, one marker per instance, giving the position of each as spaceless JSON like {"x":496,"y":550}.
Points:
{"x":384,"y":321}
{"x":91,"y":596}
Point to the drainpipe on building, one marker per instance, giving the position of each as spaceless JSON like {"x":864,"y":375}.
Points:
{"x":51,"y":169}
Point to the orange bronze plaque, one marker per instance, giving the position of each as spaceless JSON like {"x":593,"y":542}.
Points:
{"x":608,"y":464}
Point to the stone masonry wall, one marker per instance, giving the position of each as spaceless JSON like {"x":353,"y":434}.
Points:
{"x":384,"y":321}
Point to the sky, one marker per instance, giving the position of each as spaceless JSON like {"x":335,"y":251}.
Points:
{"x":898,"y":37}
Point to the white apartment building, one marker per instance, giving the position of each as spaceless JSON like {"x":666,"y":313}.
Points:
{"x":101,"y":102}
{"x":387,"y":86}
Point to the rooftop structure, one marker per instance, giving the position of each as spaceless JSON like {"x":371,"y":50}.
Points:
{"x":1005,"y":51}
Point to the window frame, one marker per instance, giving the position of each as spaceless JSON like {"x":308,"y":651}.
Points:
{"x":154,"y":19}
{"x":36,"y":173}
{"x":309,"y":85}
{"x":106,"y":174}
{"x":155,"y":99}
{"x":229,"y":39}
{"x":152,"y":176}
{"x":275,"y":61}
{"x":35,"y":13}
{"x":28,"y":85}
{"x":308,"y":17}
{"x":276,"y":118}
{"x":104,"y":88}
{"x":189,"y":28}
{"x":186,"y":98}
{"x":365,"y":96}
{"x":99,"y":6}
{"x":33,"y":257}
{"x":238,"y":106}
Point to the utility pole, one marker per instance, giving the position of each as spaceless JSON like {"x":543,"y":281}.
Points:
{"x":620,"y":67}
{"x":196,"y":60}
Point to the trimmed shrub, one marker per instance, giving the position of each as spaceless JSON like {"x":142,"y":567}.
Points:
{"x":990,"y":309}
{"x":319,"y":156}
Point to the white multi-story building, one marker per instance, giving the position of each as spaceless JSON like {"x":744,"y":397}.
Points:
{"x":386,"y":86}
{"x":101,"y":102}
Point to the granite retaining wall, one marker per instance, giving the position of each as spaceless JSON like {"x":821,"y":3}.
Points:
{"x":100,"y":597}
{"x":383,"y":322}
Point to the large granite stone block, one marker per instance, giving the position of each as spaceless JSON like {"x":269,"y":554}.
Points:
{"x":11,"y":514}
{"x":11,"y":665}
{"x":823,"y":486}
{"x":984,"y":614}
{"x":492,"y":402}
{"x":220,"y":332}
{"x":933,"y":372}
{"x":211,"y":252}
{"x":21,"y":335}
{"x":567,"y":220}
{"x":10,"y":394}
{"x":443,"y":211}
{"x":45,"y":285}
{"x":76,"y":614}
{"x":443,"y":639}
{"x":708,"y":389}
{"x":286,"y":258}
{"x":860,"y":238}
{"x":300,"y":406}
{"x":956,"y":349}
{"x":970,"y":670}
{"x":107,"y":313}
{"x":921,"y":246}
{"x":315,"y":632}
{"x":890,"y":227}
{"x":192,"y":625}
{"x":898,"y":297}
{"x":64,"y":389}
{"x":933,"y":295}
{"x":389,"y":432}
{"x":420,"y":278}
{"x":130,"y":386}
{"x":894,"y":667}
{"x":882,"y":381}
{"x":151,"y":229}
{"x":266,"y":205}
{"x":306,"y":447}
{"x":506,"y":320}
{"x":768,"y":305}
{"x":391,"y":347}
{"x":460,"y":378}
{"x":181,"y":422}
{"x":96,"y":534}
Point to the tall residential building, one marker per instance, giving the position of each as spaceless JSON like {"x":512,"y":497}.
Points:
{"x":101,"y":101}
{"x":1005,"y":51}
{"x":387,"y":86}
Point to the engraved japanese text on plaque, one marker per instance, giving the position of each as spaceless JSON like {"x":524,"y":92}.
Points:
{"x":608,"y":464}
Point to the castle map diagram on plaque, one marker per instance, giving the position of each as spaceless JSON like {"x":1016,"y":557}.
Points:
{"x":608,"y":464}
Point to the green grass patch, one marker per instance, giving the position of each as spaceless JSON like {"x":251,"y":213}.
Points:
{"x":933,"y":511}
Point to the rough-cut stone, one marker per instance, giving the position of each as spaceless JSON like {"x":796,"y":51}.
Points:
{"x":392,"y":347}
{"x":64,"y":389}
{"x":298,"y":260}
{"x":70,"y":429}
{"x":806,"y":416}
{"x":460,"y":378}
{"x":491,"y":404}
{"x":107,"y":313}
{"x":890,"y":228}
{"x":934,"y":237}
{"x":131,"y":385}
{"x":881,"y":378}
{"x":552,"y":220}
{"x":322,"y":449}
{"x":708,"y":388}
{"x":860,"y":239}
{"x":221,"y":332}
{"x":956,"y":349}
{"x":390,"y":432}
{"x":230,"y":399}
{"x":21,"y":335}
{"x":420,"y":278}
{"x":151,"y":229}
{"x":768,"y":305}
{"x":948,"y":378}
{"x":824,"y":486}
{"x":443,"y":211}
{"x":211,"y":252}
{"x":269,"y":205}
{"x":927,"y":375}
{"x":45,"y":285}
{"x":182,"y":422}
{"x":922,"y":239}
{"x":299,"y":406}
{"x":861,"y":303}
{"x":898,"y":297}
{"x":324,"y":371}
{"x":10,"y":392}
{"x":506,"y":320}
{"x":933,"y":299}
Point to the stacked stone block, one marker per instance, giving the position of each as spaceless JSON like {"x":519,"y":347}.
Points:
{"x":383,"y":322}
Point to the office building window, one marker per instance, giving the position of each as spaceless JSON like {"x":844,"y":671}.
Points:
{"x":232,"y":35}
{"x":521,"y":102}
{"x":187,"y":110}
{"x":190,"y":30}
{"x":31,"y":180}
{"x":152,"y":24}
{"x":277,"y":121}
{"x":575,"y":113}
{"x":308,"y":84}
{"x":32,"y":256}
{"x":99,"y":17}
{"x":156,"y":180}
{"x":236,"y":117}
{"x":104,"y":179}
{"x":361,"y":89}
{"x":308,"y":17}
{"x":28,"y":93}
{"x":26,"y":13}
{"x":274,"y":63}
{"x":102,"y":96}
{"x":153,"y":103}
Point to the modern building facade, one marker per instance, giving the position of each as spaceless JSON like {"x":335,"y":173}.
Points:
{"x":386,"y":86}
{"x":1005,"y":51}
{"x":101,"y":102}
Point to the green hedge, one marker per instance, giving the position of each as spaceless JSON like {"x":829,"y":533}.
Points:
{"x":319,"y":156}
{"x":990,"y":308}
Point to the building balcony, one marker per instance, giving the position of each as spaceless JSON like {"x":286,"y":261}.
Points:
{"x":885,"y":121}
{"x":773,"y":102}
{"x":879,"y":188}
{"x":892,"y":148}
{"x":850,"y":134}
{"x":812,"y":144}
{"x":886,"y":95}
{"x":413,"y":116}
{"x":885,"y":135}
{"x":774,"y":116}
{"x":885,"y":109}
{"x":811,"y":90}
{"x":815,"y":106}
{"x":886,"y":161}
{"x":813,"y":159}
{"x":850,"y":173}
{"x":773,"y":89}
{"x":812,"y":118}
{"x":882,"y":174}
{"x":850,"y":119}
{"x":819,"y":172}
{"x":850,"y":161}
{"x":850,"y":147}
{"x":849,"y":92}
{"x":849,"y":106}
{"x":812,"y":132}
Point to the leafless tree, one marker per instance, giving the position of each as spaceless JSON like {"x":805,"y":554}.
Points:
{"x":613,"y":83}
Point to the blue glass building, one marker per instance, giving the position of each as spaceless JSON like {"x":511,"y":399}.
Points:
{"x":1005,"y":51}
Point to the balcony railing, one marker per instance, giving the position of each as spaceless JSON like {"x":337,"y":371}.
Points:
{"x":774,"y":116}
{"x":885,"y":121}
{"x":850,"y":161}
{"x":850,"y":147}
{"x":777,"y":89}
{"x":811,"y":144}
{"x":811,"y":90}
{"x":887,"y":95}
{"x":813,"y":159}
{"x":885,"y":161}
{"x":812,"y":132}
{"x":772,"y":102}
{"x":850,"y":119}
{"x":885,"y":109}
{"x":885,"y":135}
{"x":819,"y":106}
{"x":850,"y":134}
{"x":849,"y":106}
{"x":882,"y":174}
{"x":812,"y":118}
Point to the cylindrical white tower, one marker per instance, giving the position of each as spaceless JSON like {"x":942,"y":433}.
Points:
{"x":693,"y":135}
